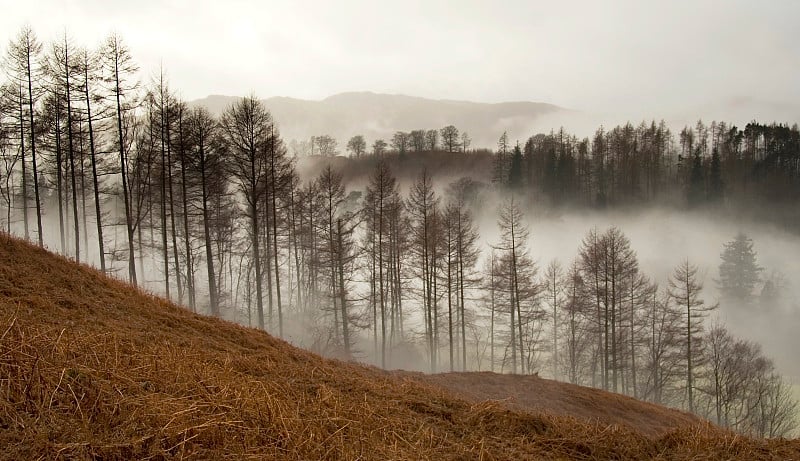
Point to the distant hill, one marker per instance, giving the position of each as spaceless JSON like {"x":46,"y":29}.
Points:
{"x":91,"y":368}
{"x":380,"y":115}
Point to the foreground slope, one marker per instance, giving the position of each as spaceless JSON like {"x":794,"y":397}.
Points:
{"x":91,"y":368}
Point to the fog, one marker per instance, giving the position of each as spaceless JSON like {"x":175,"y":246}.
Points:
{"x":680,"y":60}
{"x":663,"y":238}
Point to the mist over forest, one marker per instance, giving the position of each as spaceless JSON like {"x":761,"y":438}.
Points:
{"x":641,"y":259}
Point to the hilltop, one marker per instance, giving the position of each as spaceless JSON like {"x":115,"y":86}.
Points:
{"x":376,"y":115}
{"x":91,"y":368}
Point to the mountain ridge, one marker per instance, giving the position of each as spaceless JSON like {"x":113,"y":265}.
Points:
{"x":380,"y":115}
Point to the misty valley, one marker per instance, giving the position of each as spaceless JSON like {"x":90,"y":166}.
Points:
{"x":653,"y":261}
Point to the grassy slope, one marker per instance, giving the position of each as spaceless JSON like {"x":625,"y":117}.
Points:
{"x":90,"y":368}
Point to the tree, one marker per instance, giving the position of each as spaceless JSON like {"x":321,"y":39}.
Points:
{"x":520,"y":272}
{"x":609,"y":264}
{"x":465,"y":141}
{"x":450,"y":138}
{"x":432,"y":140}
{"x":246,"y":130}
{"x":119,"y":70}
{"x":378,"y":147}
{"x":22,"y":66}
{"x":207,"y":168}
{"x":400,"y":142}
{"x":332,"y":199}
{"x":380,"y":199}
{"x":745,"y":392}
{"x":716,"y":187}
{"x":89,"y":69}
{"x":357,"y":146}
{"x":554,"y":294}
{"x":417,"y":140}
{"x":739,"y":272}
{"x":423,"y":207}
{"x":662,"y":346}
{"x":500,"y":163}
{"x":465,"y":231}
{"x":515,"y":170}
{"x":685,"y":290}
{"x":326,"y":145}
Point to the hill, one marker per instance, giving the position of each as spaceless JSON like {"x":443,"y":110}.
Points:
{"x":91,"y":368}
{"x":380,"y":115}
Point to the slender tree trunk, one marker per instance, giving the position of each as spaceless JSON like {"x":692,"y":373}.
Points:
{"x":460,"y":281}
{"x":450,"y":297}
{"x":292,"y":205}
{"x":380,"y":278}
{"x":175,"y":253}
{"x":59,"y":185}
{"x":342,"y":296}
{"x":186,"y":235}
{"x":491,"y":325}
{"x":95,"y":182}
{"x":83,"y":192}
{"x":124,"y":173}
{"x":275,"y":231}
{"x":33,"y":151}
{"x":24,"y":168}
{"x":212,"y":286}
{"x":164,"y":245}
{"x":256,"y":252}
{"x":72,"y":161}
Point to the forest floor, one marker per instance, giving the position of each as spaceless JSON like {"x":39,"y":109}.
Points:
{"x":91,"y":368}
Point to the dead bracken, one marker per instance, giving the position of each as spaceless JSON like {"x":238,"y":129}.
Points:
{"x":91,"y":368}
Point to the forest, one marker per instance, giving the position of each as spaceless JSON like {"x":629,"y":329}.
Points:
{"x":397,"y":266}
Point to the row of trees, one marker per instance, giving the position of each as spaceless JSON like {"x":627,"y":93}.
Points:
{"x":706,"y":164}
{"x":210,"y":211}
{"x":447,"y":139}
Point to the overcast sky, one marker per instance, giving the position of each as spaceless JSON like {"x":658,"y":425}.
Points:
{"x":648,"y":57}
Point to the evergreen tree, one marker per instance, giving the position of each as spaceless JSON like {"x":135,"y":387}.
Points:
{"x":515,"y":171}
{"x":739,"y":271}
{"x":715,"y":185}
{"x":696,"y":190}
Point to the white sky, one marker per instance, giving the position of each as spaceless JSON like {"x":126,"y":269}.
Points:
{"x":648,"y":57}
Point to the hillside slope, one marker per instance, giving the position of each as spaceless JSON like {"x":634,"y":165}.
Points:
{"x":93,"y":369}
{"x":539,"y":395}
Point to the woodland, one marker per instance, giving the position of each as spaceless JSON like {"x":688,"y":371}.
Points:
{"x":383,"y":256}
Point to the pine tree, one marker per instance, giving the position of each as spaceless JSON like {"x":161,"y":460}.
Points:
{"x":739,"y":271}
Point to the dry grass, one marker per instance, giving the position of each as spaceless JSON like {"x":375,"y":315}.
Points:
{"x":539,"y":395}
{"x":92,"y":369}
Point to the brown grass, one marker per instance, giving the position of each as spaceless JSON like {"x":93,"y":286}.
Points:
{"x":92,"y":369}
{"x":539,"y":395}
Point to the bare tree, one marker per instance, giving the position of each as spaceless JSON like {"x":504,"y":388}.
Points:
{"x":22,"y":67}
{"x":119,"y":71}
{"x":554,"y":294}
{"x":357,"y":146}
{"x":450,"y":138}
{"x":400,"y":142}
{"x":379,"y":147}
{"x":685,"y":290}
{"x":520,"y":271}
{"x":381,"y":196}
{"x":246,"y":130}
{"x":206,"y":165}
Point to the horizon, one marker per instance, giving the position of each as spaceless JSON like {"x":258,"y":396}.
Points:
{"x":663,"y":61}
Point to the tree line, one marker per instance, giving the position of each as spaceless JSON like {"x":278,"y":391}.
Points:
{"x":212,"y":212}
{"x":717,"y":164}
